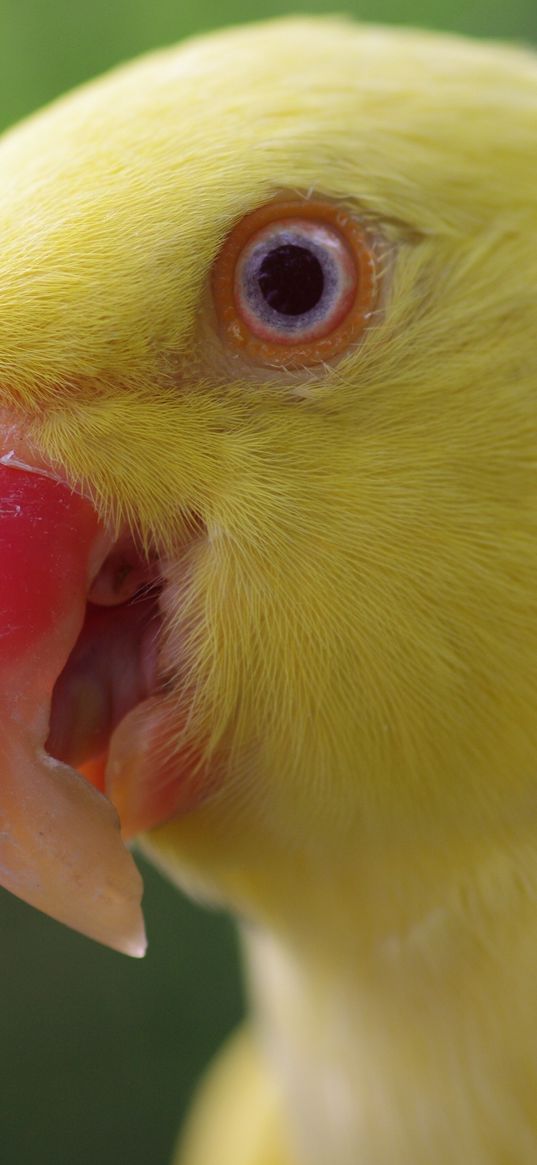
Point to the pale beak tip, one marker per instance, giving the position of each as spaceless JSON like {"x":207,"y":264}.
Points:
{"x":134,"y":945}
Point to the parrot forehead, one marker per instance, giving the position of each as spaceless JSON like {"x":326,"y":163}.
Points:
{"x":115,"y":200}
{"x":184,"y":125}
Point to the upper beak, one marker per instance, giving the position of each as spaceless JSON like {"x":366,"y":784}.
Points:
{"x":60,"y":845}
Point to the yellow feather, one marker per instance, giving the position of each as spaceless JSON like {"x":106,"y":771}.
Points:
{"x":363,"y":611}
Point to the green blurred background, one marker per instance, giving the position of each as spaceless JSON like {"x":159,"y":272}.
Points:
{"x":98,"y":1053}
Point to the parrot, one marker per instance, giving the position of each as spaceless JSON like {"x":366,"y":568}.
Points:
{"x":268,"y":530}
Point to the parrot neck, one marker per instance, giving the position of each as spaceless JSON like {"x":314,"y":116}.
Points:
{"x":371,"y":972}
{"x":370,"y":1034}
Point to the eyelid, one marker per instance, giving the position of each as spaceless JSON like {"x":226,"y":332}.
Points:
{"x":234,"y":330}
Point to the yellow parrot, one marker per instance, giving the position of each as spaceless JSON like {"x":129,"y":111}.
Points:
{"x":268,"y":531}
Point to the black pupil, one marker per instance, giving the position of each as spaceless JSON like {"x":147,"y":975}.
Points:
{"x":291,"y":279}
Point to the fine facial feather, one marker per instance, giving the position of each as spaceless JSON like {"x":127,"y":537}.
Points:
{"x":362,"y":645}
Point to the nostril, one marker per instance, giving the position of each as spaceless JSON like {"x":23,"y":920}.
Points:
{"x":122,"y":574}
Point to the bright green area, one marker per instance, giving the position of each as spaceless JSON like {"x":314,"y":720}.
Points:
{"x":47,"y":46}
{"x":98,"y":1052}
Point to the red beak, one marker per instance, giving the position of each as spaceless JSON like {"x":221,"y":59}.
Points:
{"x":60,"y":845}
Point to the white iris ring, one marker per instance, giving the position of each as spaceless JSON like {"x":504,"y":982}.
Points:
{"x":339,"y":280}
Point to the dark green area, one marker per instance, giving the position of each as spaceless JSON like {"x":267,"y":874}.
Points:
{"x":98,"y":1052}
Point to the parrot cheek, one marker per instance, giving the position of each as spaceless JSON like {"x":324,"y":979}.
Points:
{"x":80,"y":708}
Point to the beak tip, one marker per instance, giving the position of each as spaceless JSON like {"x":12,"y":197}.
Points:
{"x":137,"y":947}
{"x":133,"y":942}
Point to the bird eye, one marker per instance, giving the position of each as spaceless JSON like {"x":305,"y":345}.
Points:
{"x":294,"y":283}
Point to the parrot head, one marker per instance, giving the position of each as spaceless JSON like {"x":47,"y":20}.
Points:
{"x":267,"y":456}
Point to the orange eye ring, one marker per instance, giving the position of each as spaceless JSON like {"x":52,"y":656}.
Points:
{"x":355,"y":255}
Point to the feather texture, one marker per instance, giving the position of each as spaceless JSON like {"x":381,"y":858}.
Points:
{"x":357,"y":631}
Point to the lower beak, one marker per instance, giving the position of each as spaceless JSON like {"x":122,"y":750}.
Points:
{"x":60,"y":844}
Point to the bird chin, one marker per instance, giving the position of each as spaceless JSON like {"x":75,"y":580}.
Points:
{"x":89,"y":728}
